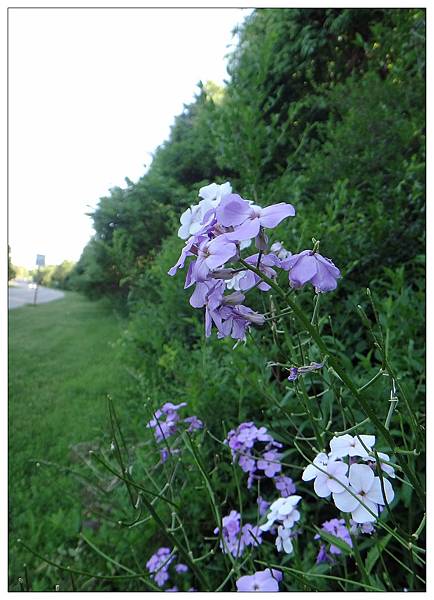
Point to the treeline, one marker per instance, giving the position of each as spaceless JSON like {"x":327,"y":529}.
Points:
{"x":324,"y":108}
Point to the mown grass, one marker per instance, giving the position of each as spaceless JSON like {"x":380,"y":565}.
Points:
{"x":62,"y":365}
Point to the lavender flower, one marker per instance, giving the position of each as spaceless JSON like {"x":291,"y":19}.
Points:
{"x":166,"y":423}
{"x":310,"y":267}
{"x":236,"y":538}
{"x":337,"y":528}
{"x":285,"y":486}
{"x":294,"y":372}
{"x":158,"y":565}
{"x":261,"y":581}
{"x":255,"y":450}
{"x":247,"y":219}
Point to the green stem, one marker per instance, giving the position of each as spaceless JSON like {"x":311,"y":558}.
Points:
{"x":334,"y":363}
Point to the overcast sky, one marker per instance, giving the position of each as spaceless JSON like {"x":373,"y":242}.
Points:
{"x":92,"y":93}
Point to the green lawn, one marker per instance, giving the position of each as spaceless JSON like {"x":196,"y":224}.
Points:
{"x":62,"y":365}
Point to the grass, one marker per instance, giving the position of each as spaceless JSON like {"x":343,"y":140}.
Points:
{"x":62,"y":365}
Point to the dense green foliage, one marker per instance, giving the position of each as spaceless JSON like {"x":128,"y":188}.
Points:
{"x":324,"y":109}
{"x":11,"y":269}
{"x":56,"y":276}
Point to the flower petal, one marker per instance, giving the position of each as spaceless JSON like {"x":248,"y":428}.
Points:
{"x":376,"y":493}
{"x":272,"y":215}
{"x":345,"y":501}
{"x":233,"y":210}
{"x":361,"y":515}
{"x":361,"y":478}
{"x":246,"y":231}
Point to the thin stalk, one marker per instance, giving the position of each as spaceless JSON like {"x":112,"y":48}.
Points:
{"x":334,"y":363}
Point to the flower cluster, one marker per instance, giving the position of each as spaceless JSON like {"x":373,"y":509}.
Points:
{"x":337,"y":528}
{"x":166,"y":422}
{"x":158,"y":566}
{"x":284,"y":512}
{"x":235,"y":539}
{"x":261,"y":581}
{"x":216,"y":230}
{"x":255,"y":451}
{"x":353,"y":484}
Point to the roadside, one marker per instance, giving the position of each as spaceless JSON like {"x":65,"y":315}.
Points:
{"x":62,"y":364}
{"x":22,"y":292}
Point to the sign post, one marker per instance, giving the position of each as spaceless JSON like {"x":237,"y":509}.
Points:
{"x":40,"y":262}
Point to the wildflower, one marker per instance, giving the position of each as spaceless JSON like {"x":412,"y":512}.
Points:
{"x":211,"y":254}
{"x":193,"y":423}
{"x":166,"y":422}
{"x":294,"y":372}
{"x":283,"y":539}
{"x":347,"y":445}
{"x":310,"y":267}
{"x":261,"y":581}
{"x":247,"y":439}
{"x":284,"y":485}
{"x":283,"y":509}
{"x":158,"y":565}
{"x":269,"y":463}
{"x":384,"y":466}
{"x":337,"y":528}
{"x":181,"y":568}
{"x":325,"y":483}
{"x":247,"y":218}
{"x":311,"y":471}
{"x":235,"y":538}
{"x":367,"y":489}
{"x":365,"y":528}
{"x":262,"y":505}
{"x":192,"y":219}
{"x":279,"y":250}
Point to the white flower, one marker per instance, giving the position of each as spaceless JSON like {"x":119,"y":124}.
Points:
{"x":234,"y":283}
{"x":311,"y":471}
{"x":283,"y":540}
{"x":192,"y":220}
{"x":367,"y":489}
{"x":279,"y":250}
{"x":325,"y":483}
{"x":385,"y":467}
{"x":215,"y":191}
{"x":283,"y":509}
{"x":347,"y":445}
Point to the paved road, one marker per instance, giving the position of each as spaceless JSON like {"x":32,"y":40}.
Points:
{"x":20,"y":294}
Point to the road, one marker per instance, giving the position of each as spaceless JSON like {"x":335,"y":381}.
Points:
{"x":20,"y":294}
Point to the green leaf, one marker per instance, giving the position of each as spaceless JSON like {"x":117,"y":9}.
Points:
{"x":332,"y":539}
{"x":375,"y":551}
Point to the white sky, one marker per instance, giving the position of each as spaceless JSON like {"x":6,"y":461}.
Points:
{"x":91,"y":94}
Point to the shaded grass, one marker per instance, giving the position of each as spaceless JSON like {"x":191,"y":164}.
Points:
{"x":62,"y":365}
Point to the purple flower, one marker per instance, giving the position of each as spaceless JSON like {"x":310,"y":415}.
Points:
{"x":181,"y":568}
{"x":270,"y":463}
{"x":261,"y":581}
{"x":247,"y":218}
{"x":262,"y":505}
{"x":236,"y":538}
{"x":311,"y":267}
{"x":158,"y":565}
{"x":254,"y":449}
{"x":166,"y":422}
{"x":285,"y":485}
{"x":211,"y":255}
{"x":294,"y":372}
{"x":337,"y":528}
{"x":193,"y":423}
